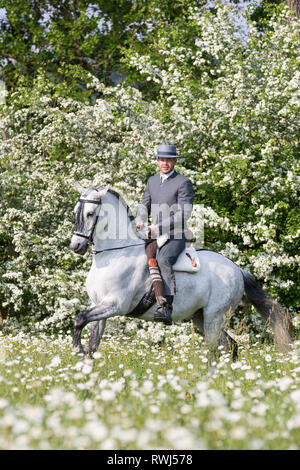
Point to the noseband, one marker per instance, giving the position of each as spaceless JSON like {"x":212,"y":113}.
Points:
{"x":88,"y":237}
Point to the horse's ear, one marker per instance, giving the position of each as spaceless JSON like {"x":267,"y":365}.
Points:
{"x":78,"y":187}
{"x":102,"y":192}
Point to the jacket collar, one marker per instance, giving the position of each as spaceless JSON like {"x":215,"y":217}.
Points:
{"x":171,"y":176}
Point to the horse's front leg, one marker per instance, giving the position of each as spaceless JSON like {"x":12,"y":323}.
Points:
{"x":94,"y":314}
{"x":97,"y":330}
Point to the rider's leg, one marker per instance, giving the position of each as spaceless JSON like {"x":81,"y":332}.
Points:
{"x":151,"y":248}
{"x":167,"y":256}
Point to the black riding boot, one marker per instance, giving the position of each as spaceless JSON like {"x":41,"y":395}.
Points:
{"x":164,"y":312}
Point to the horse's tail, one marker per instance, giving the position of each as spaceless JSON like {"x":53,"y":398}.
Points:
{"x":270,"y":310}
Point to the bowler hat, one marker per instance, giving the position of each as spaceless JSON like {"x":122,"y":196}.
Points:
{"x":167,"y":151}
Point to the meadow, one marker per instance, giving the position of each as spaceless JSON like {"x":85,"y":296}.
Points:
{"x":147,"y":387}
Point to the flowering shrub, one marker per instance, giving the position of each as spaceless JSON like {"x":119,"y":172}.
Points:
{"x":235,"y":118}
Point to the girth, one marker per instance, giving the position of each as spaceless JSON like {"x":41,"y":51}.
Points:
{"x":144,"y":304}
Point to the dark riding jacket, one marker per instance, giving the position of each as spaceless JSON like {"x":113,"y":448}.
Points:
{"x":170,"y":203}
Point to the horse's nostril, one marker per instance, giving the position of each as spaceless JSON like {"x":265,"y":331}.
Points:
{"x":78,"y":247}
{"x":74,"y":246}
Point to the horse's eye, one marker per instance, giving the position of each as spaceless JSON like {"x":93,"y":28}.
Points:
{"x":89,"y":214}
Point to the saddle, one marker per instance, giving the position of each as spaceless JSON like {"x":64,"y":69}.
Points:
{"x":188,"y":261}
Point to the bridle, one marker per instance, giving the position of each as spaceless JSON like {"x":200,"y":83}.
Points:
{"x":90,"y":236}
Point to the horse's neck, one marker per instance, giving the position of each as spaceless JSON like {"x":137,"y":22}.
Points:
{"x":120,"y":230}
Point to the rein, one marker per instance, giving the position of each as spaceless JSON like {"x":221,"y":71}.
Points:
{"x":94,"y":252}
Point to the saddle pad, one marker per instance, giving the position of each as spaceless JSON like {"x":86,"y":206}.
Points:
{"x":187,"y":261}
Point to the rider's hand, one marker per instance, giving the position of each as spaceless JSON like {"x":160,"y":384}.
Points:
{"x":139,"y":225}
{"x":154,"y":230}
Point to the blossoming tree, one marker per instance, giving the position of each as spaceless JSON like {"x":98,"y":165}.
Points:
{"x":232,"y":107}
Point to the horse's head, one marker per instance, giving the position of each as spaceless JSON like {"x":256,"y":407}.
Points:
{"x":87,"y":212}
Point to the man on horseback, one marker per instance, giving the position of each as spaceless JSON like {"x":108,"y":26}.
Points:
{"x":168,"y":198}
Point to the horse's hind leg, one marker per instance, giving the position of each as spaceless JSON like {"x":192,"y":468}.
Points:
{"x":96,"y":333}
{"x":224,"y":338}
{"x":231,"y":345}
{"x":198,"y":320}
{"x":215,"y":335}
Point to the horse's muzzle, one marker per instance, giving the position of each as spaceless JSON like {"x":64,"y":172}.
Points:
{"x":79,"y":247}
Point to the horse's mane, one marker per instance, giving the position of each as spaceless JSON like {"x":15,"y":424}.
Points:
{"x":118,"y":196}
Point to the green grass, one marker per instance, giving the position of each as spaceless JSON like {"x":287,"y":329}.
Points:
{"x":148,"y":387}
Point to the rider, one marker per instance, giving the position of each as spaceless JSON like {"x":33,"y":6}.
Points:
{"x":169,"y":198}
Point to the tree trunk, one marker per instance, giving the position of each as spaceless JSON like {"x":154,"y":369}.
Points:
{"x":295,"y":6}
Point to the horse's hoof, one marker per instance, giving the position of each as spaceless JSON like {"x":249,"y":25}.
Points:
{"x":79,"y":350}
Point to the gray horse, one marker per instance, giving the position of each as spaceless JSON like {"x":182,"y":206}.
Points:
{"x":118,"y":282}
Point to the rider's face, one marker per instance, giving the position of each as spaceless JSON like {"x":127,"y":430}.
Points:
{"x":166,"y":164}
